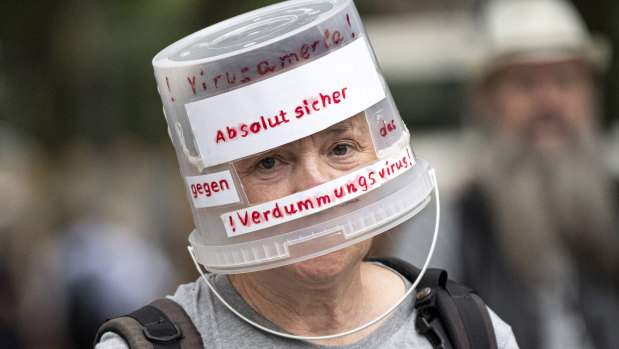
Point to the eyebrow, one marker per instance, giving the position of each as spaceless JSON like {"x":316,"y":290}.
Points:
{"x":340,"y":128}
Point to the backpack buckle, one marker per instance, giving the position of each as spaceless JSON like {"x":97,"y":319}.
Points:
{"x":432,"y":334}
{"x":162,"y":326}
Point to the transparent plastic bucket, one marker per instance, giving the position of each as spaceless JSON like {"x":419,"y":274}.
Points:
{"x":264,"y":79}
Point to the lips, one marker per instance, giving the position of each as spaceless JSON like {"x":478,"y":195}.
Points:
{"x":547,"y":126}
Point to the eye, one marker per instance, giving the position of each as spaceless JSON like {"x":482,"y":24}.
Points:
{"x":267,"y":163}
{"x":340,"y":149}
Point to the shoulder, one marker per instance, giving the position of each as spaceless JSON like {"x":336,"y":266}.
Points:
{"x":453,"y":304}
{"x":186,"y":296}
{"x":504,"y":335}
{"x":111,"y":340}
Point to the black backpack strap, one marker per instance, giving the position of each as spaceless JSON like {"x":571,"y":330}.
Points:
{"x":474,"y":316}
{"x":163,"y":324}
{"x":449,"y":315}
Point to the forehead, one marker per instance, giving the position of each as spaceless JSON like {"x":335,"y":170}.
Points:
{"x":355,"y":127}
{"x":539,"y":68}
{"x":356,"y":123}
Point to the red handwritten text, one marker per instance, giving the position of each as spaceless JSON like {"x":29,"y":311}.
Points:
{"x":387,"y":127}
{"x":207,"y":189}
{"x":204,"y":81}
{"x":301,"y":204}
{"x":313,"y":104}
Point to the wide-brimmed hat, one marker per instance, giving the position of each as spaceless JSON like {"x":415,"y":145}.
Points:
{"x":533,"y":31}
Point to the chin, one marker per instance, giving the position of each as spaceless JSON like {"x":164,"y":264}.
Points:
{"x":550,"y":145}
{"x":555,"y":144}
{"x":332,"y":266}
{"x":551,"y":136}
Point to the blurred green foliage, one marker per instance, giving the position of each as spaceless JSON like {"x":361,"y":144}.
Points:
{"x":82,"y":69}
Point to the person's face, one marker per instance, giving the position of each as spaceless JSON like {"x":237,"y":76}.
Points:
{"x":307,"y":162}
{"x":542,"y":105}
{"x":303,"y":164}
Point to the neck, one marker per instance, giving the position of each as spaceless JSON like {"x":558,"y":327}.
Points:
{"x":322,"y":306}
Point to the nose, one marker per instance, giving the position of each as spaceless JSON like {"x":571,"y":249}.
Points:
{"x":311,"y":171}
{"x":549,"y":93}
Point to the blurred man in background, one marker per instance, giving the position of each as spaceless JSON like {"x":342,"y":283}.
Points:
{"x":539,"y":221}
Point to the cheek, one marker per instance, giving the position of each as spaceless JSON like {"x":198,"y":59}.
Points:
{"x":258,"y":191}
{"x":580,"y":109}
{"x":369,"y":155}
{"x":329,"y":266}
{"x":512,"y":112}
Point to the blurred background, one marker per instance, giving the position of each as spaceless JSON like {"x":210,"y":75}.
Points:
{"x":93,"y":214}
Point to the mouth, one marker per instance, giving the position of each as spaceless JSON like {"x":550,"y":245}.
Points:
{"x":547,"y":128}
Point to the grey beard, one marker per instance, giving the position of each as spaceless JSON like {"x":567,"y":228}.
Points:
{"x":549,"y":202}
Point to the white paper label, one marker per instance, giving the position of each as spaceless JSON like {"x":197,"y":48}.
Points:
{"x":286,"y":107}
{"x":319,"y":198}
{"x":212,"y":189}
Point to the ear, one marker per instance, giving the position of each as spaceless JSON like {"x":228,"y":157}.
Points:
{"x":481,"y":103}
{"x":598,"y":91}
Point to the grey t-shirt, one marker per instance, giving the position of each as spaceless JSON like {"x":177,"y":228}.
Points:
{"x":220,"y":328}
